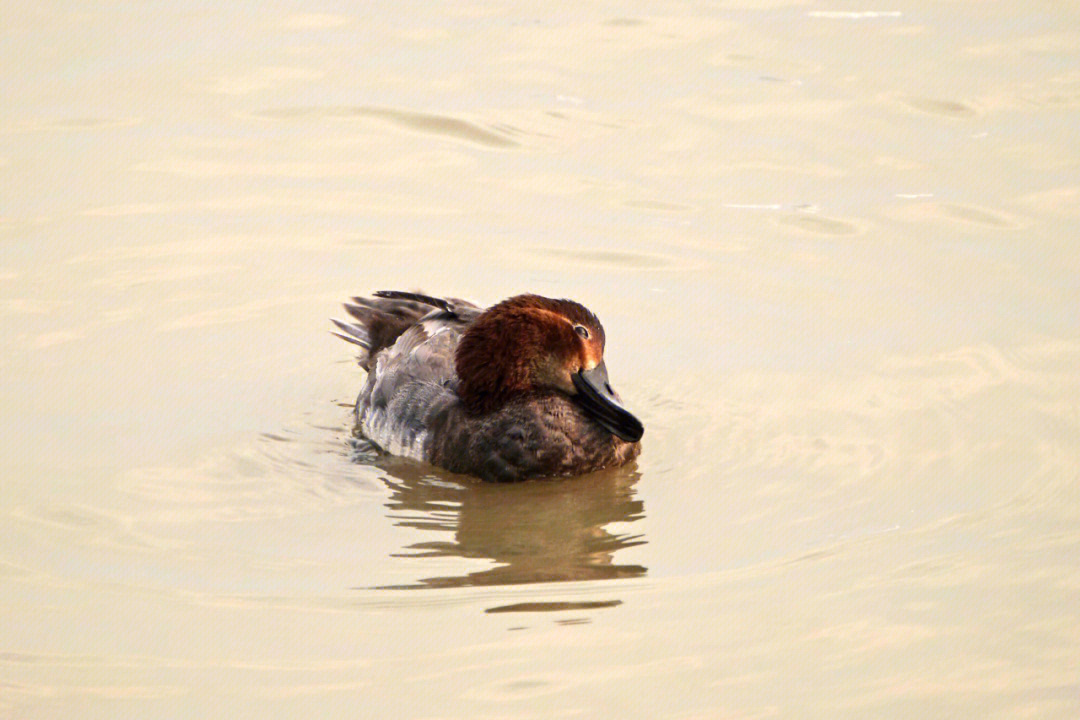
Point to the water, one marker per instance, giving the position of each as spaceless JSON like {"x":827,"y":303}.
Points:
{"x":834,"y":249}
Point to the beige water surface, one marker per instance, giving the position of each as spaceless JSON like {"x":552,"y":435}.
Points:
{"x":836,"y":248}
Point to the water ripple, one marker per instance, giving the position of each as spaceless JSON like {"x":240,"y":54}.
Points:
{"x":441,"y":125}
{"x":945,"y":108}
{"x":819,"y":224}
{"x":260,"y":477}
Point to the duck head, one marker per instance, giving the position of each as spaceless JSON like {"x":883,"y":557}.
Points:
{"x":530,"y":343}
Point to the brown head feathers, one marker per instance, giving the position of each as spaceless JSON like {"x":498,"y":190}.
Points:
{"x":525,"y":344}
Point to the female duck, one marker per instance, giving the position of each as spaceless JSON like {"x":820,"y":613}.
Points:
{"x":516,"y":391}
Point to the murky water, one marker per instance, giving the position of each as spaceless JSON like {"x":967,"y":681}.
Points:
{"x":835,"y":249}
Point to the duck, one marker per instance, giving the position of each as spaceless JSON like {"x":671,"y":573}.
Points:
{"x":511,"y":392}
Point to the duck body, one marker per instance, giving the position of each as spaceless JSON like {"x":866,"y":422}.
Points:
{"x":513,"y":392}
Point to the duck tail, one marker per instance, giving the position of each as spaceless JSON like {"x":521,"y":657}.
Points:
{"x":380,"y":320}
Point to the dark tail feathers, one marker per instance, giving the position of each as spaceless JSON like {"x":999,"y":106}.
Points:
{"x":381,"y":319}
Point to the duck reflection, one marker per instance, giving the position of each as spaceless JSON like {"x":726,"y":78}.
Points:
{"x":538,"y":531}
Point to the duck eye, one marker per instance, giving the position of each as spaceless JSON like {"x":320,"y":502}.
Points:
{"x":582,"y":331}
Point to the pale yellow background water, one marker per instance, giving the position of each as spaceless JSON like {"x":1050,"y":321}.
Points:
{"x":835,"y":247}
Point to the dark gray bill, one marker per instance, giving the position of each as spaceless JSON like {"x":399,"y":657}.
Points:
{"x":598,"y":400}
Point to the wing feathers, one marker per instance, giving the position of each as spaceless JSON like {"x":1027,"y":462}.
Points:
{"x":415,"y":297}
{"x":381,"y":319}
{"x":354,"y":334}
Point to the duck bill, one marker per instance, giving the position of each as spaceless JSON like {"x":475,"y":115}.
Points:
{"x":598,"y":400}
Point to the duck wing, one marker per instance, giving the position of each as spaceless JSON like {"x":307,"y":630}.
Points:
{"x":408,"y":341}
{"x":380,"y":320}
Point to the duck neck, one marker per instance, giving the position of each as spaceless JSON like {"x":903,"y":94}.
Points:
{"x":498,"y":360}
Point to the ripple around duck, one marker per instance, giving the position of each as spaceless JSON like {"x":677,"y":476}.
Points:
{"x":534,"y":684}
{"x":263,"y":476}
{"x":1047,"y":43}
{"x":617,"y":259}
{"x":853,"y":15}
{"x":944,"y":108}
{"x":819,"y":224}
{"x":956,"y":212}
{"x":313,"y":21}
{"x":8,"y":570}
{"x":977,"y":215}
{"x":442,"y":125}
{"x":90,"y":526}
{"x":778,"y":65}
{"x":553,"y":606}
{"x":1059,"y":201}
{"x":74,"y":124}
{"x":1060,"y":98}
{"x":658,"y":206}
{"x":959,"y":212}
